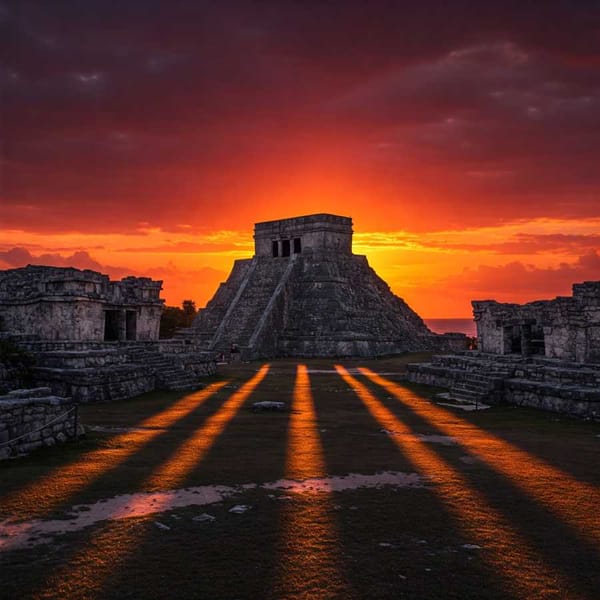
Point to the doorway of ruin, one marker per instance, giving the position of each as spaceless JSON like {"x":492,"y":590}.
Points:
{"x":131,"y":325}
{"x":275,"y":248}
{"x":515,"y":340}
{"x":111,"y":325}
{"x":297,"y":246}
{"x":285,"y":248}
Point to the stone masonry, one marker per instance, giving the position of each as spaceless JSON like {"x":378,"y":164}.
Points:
{"x":55,"y":303}
{"x":543,"y":354}
{"x":93,"y":339}
{"x":305,"y":294}
{"x":30,"y":419}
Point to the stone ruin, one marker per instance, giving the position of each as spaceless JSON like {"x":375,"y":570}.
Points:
{"x":544,"y":354}
{"x":304,"y":294}
{"x":53,"y":303}
{"x":92,"y":338}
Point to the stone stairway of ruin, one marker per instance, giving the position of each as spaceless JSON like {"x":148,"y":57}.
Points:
{"x":247,"y":311}
{"x":471,"y":379}
{"x":167,"y":369}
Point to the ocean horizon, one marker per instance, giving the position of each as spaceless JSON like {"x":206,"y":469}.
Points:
{"x":466,"y":326}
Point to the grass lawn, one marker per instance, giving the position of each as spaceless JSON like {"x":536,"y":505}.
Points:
{"x":500,"y":503}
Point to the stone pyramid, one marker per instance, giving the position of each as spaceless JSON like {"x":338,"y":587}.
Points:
{"x":305,"y":294}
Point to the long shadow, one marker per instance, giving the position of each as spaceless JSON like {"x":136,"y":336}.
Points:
{"x":309,"y":563}
{"x":558,"y":544}
{"x":571,"y":500}
{"x":395,"y":542}
{"x":236,"y":555}
{"x":522,"y":569}
{"x":534,"y":431}
{"x":123,"y":462}
{"x":106,"y":569}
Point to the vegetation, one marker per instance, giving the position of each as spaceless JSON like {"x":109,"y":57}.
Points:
{"x":174,"y":318}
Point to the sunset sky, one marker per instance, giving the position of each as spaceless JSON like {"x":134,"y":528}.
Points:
{"x":463,"y":138}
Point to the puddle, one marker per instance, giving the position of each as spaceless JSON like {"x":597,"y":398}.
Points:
{"x":26,"y":533}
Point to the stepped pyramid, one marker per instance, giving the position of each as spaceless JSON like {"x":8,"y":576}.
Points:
{"x":305,"y":294}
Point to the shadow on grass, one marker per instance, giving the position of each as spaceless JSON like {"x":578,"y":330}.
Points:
{"x":395,"y":543}
{"x":560,"y":546}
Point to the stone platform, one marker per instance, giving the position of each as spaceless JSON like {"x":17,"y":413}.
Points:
{"x":106,"y":371}
{"x":539,"y":382}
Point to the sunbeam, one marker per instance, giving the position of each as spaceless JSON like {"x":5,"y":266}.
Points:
{"x":309,"y":561}
{"x":525,"y":572}
{"x":172,"y":472}
{"x":574,"y":501}
{"x":100,"y":559}
{"x":58,"y":486}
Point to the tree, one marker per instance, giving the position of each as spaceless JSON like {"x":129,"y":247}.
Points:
{"x":174,"y":318}
{"x":189,"y":311}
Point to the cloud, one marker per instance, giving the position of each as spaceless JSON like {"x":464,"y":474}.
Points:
{"x":518,"y":282}
{"x":430,"y":114}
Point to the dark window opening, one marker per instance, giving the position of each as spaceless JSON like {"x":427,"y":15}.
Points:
{"x":516,"y":340}
{"x":285,"y":248}
{"x":297,"y":246}
{"x":111,"y":325}
{"x":275,"y":246}
{"x":131,"y":325}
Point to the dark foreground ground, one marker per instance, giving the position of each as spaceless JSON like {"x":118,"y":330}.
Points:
{"x":507,"y":505}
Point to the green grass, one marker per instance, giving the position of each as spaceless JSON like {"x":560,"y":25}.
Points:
{"x":323,"y":546}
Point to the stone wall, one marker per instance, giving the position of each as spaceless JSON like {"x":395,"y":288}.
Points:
{"x":30,"y":419}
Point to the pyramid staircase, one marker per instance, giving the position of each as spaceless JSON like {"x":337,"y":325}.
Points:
{"x":242,"y":307}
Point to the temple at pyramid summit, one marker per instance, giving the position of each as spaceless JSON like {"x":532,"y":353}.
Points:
{"x":305,"y":294}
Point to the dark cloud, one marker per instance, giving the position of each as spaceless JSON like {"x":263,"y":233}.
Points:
{"x":115,"y":113}
{"x":516,"y":281}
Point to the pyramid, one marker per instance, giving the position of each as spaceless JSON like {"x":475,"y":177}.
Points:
{"x":304,"y":294}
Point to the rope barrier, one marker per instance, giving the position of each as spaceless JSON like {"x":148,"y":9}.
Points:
{"x":41,"y":428}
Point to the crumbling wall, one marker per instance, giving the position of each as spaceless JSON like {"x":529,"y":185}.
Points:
{"x":30,"y":419}
{"x":56,"y":303}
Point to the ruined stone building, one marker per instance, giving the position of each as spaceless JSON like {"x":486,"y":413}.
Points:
{"x":567,"y":328}
{"x":305,"y":294}
{"x":543,"y":354}
{"x":92,"y":338}
{"x":56,"y":303}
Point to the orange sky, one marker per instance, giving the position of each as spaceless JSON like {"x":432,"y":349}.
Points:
{"x":461,"y":140}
